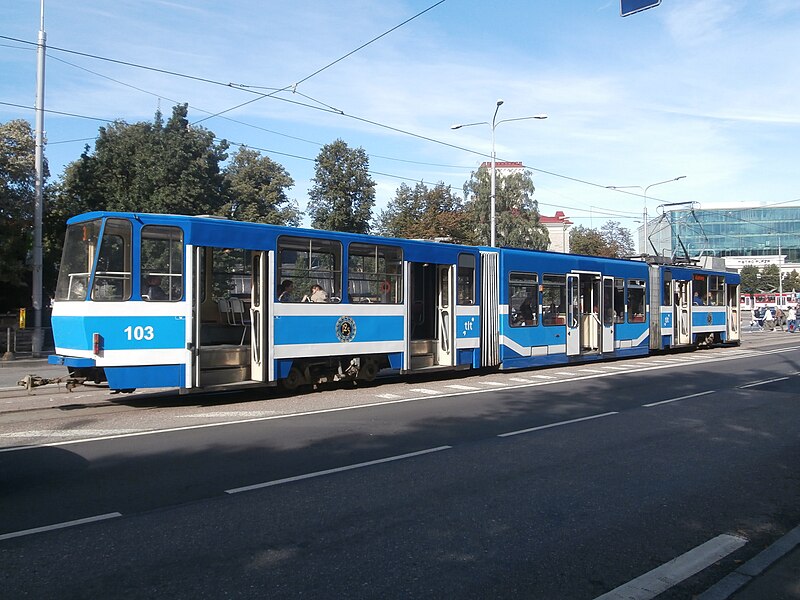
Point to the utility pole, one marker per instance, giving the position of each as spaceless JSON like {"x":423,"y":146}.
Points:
{"x":38,"y":206}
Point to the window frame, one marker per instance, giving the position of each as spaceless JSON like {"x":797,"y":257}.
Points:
{"x":527,"y":281}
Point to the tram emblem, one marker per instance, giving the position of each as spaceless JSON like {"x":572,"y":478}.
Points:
{"x":709,"y":318}
{"x":345,"y":329}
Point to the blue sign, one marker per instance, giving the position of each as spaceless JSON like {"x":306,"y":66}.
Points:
{"x":628,"y":7}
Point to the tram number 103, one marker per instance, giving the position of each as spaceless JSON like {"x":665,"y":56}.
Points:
{"x":139,"y":333}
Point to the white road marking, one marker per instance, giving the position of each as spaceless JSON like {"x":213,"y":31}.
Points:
{"x":542,"y":376}
{"x":229,"y":414}
{"x":51,"y":433}
{"x":589,"y":371}
{"x":425,"y":391}
{"x":662,"y":578}
{"x":559,"y":424}
{"x":617,"y":368}
{"x":466,"y":388}
{"x":8,"y":536}
{"x":766,"y":381}
{"x":336,"y":470}
{"x":493,"y":383}
{"x":388,"y":396}
{"x":681,"y":398}
{"x":519,"y":379}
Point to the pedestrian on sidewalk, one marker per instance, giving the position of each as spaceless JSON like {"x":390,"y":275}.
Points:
{"x":791,"y":319}
{"x":769,"y":320}
{"x":780,"y":318}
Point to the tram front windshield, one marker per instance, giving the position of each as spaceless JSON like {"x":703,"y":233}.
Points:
{"x":77,"y":258}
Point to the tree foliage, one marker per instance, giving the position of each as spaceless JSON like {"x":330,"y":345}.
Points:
{"x":751,"y":280}
{"x":150,"y":167}
{"x":610,"y":240}
{"x":791,"y":281}
{"x":343,"y":193}
{"x":424,"y":213}
{"x":257,"y":190}
{"x":17,"y":191}
{"x":770,"y":278}
{"x":517,"y":213}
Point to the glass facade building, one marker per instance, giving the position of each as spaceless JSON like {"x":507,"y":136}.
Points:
{"x":727,"y":232}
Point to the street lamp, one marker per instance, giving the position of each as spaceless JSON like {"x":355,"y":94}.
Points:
{"x":494,"y":124}
{"x":644,"y":189}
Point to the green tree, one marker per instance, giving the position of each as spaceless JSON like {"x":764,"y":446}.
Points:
{"x":343,"y":193}
{"x":17,"y":191}
{"x":770,"y":278}
{"x":424,"y":213}
{"x":610,"y":240}
{"x":791,"y":281}
{"x":751,"y":279}
{"x":586,"y":240}
{"x":618,"y":238}
{"x":257,"y":189}
{"x":516,"y":212}
{"x":150,"y":167}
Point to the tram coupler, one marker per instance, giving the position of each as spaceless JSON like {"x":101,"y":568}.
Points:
{"x":33,"y":381}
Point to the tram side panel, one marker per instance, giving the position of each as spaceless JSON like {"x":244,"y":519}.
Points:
{"x":558,"y":308}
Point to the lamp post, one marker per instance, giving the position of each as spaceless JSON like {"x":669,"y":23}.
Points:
{"x":644,"y":190}
{"x":494,"y":124}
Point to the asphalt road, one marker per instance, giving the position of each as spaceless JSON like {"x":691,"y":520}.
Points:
{"x":556,"y":483}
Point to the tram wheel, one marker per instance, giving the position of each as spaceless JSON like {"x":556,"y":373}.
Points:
{"x":293,"y":380}
{"x":368,"y":370}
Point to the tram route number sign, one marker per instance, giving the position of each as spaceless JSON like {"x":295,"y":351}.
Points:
{"x":629,"y":7}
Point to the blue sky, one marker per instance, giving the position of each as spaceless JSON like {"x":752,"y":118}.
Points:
{"x":708,"y":89}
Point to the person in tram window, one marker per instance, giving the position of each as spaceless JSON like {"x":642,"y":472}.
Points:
{"x":285,"y":290}
{"x":153,"y":290}
{"x":526,"y":311}
{"x":317,"y":294}
{"x":697,"y":300}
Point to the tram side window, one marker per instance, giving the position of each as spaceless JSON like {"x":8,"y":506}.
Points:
{"x":700,"y":290}
{"x":112,"y":277}
{"x":307,"y":262}
{"x":162,"y":263}
{"x":375,"y":274}
{"x":716,"y":290}
{"x":619,"y":300}
{"x":554,"y":299}
{"x":523,"y":299}
{"x":636,"y":298}
{"x":80,"y":248}
{"x":466,"y":279}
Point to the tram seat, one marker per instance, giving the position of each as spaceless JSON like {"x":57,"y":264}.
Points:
{"x":238,"y":312}
{"x":226,"y":311}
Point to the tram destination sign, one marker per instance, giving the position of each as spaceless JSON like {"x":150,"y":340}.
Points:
{"x":629,"y":7}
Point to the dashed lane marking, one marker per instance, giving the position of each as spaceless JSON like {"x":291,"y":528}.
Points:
{"x":493,"y":383}
{"x":466,"y":388}
{"x":8,"y":536}
{"x":559,"y":424}
{"x":370,"y":463}
{"x":427,"y":391}
{"x":765,"y":382}
{"x":681,"y":398}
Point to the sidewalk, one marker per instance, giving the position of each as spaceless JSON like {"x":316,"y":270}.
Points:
{"x":773,"y":574}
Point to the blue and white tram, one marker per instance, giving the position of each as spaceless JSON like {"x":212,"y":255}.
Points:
{"x":695,"y":307}
{"x":146,"y":300}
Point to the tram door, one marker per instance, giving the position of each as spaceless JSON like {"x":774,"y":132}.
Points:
{"x":445,"y":327}
{"x":573,"y":316}
{"x":682,"y":321}
{"x":608,"y":314}
{"x":259,"y":318}
{"x":732,"y":297}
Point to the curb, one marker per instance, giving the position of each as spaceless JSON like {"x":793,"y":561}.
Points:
{"x":754,"y":567}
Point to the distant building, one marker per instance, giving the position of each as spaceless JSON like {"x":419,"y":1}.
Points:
{"x":741,"y":234}
{"x":558,"y":230}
